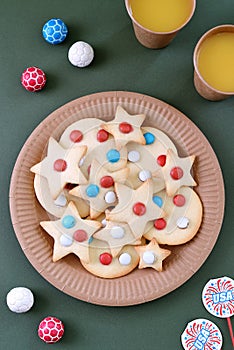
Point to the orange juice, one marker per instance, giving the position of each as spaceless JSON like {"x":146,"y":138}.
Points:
{"x":161,"y":15}
{"x":216,"y":61}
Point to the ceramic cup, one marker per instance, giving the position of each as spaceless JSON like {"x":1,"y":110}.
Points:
{"x":203,"y":88}
{"x":151,"y":39}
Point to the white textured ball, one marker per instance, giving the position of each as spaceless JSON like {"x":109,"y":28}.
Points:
{"x":20,"y":299}
{"x":80,"y":54}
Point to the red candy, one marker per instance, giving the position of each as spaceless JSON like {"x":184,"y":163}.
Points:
{"x":176,"y":173}
{"x":161,"y":160}
{"x":179,"y":200}
{"x":76,"y":136}
{"x":105,"y":258}
{"x":60,"y":165}
{"x":125,"y":128}
{"x":50,"y":330}
{"x":139,"y":209}
{"x":102,"y":135}
{"x":160,"y":224}
{"x":80,"y":235}
{"x":106,"y":181}
{"x":33,"y":79}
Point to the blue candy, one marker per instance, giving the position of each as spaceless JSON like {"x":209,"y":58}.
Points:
{"x":92,"y":190}
{"x":149,"y":138}
{"x":68,"y":221}
{"x":54,"y":31}
{"x":113,"y":156}
{"x":158,"y":200}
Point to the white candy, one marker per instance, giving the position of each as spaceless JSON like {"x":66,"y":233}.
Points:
{"x":66,"y":240}
{"x":80,"y":54}
{"x":144,"y":175}
{"x":20,"y":299}
{"x":182,"y":222}
{"x":125,"y":259}
{"x":148,"y":257}
{"x":117,"y":232}
{"x":110,"y":197}
{"x":104,"y":222}
{"x":61,"y":201}
{"x":133,"y":156}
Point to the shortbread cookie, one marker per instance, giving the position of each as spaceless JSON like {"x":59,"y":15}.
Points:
{"x":107,"y":155}
{"x":176,"y":172}
{"x":135,"y":207}
{"x":58,"y":206}
{"x":117,"y":235}
{"x":61,"y":166}
{"x":183,"y":217}
{"x":151,"y":255}
{"x":99,"y":191}
{"x":71,"y":234}
{"x":142,"y":164}
{"x":84,"y":132}
{"x":125,"y":128}
{"x":103,"y":264}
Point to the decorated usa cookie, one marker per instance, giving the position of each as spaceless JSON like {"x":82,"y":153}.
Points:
{"x":201,"y":334}
{"x":182,"y":220}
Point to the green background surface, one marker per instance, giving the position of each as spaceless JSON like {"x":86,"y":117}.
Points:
{"x":120,"y":63}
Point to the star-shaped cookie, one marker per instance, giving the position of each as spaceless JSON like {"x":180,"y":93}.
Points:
{"x":176,"y":172}
{"x":61,"y":166}
{"x":71,"y":234}
{"x":125,"y":128}
{"x":151,"y":255}
{"x":99,"y":190}
{"x":117,"y":235}
{"x":135,"y":207}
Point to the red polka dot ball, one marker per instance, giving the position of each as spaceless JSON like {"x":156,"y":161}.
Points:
{"x":33,"y":79}
{"x":50,"y":330}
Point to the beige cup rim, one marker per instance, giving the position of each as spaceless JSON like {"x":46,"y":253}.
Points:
{"x":214,"y":30}
{"x":160,"y":33}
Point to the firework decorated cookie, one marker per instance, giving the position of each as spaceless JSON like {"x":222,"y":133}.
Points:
{"x":218,"y":299}
{"x":201,"y":334}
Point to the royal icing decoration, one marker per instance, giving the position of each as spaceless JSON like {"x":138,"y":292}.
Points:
{"x":201,"y":334}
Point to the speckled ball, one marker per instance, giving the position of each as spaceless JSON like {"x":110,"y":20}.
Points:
{"x":50,"y":330}
{"x":33,"y":79}
{"x":20,"y":299}
{"x":80,"y":54}
{"x":54,"y":31}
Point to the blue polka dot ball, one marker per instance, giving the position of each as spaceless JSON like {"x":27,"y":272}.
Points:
{"x":54,"y":31}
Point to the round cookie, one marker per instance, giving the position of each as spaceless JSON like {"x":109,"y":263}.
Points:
{"x":183,"y":217}
{"x":157,"y":142}
{"x":102,"y":264}
{"x":86,"y":132}
{"x":58,"y":206}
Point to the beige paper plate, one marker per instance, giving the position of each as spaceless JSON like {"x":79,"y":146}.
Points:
{"x":140,"y":285}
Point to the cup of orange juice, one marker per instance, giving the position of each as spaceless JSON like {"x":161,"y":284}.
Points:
{"x":213,"y":61}
{"x":156,"y":22}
